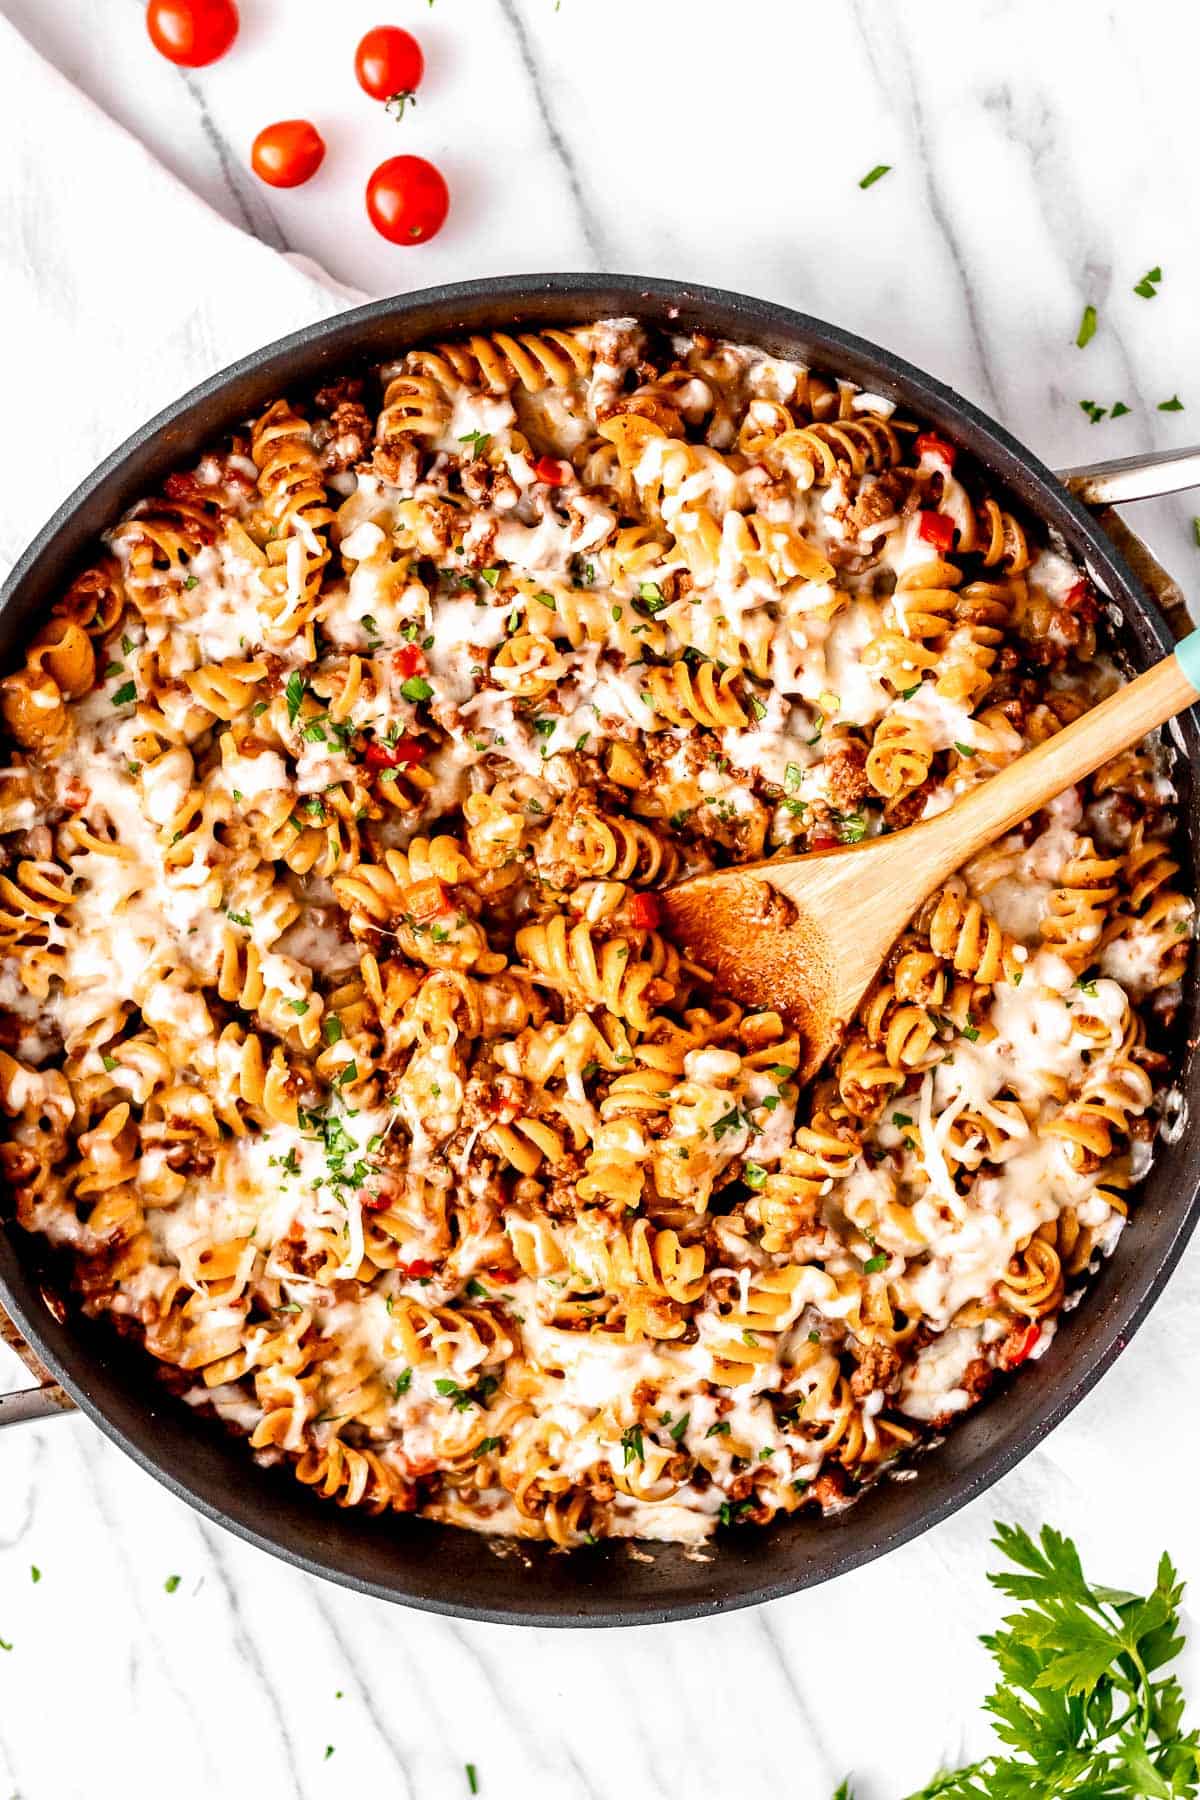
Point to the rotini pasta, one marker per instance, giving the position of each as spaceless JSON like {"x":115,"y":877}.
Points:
{"x":344,"y":1049}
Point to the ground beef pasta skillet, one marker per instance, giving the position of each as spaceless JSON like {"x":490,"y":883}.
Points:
{"x":344,"y":1053}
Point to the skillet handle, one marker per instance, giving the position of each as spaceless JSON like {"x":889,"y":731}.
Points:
{"x":1145,"y":477}
{"x":45,"y":1401}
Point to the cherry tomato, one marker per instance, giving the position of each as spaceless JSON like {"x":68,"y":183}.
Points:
{"x":394,"y":756}
{"x":288,"y":153}
{"x":550,"y":469}
{"x":389,"y":65}
{"x":407,"y":200}
{"x":645,"y":912}
{"x":929,"y":444}
{"x":937,"y":529}
{"x":409,"y":661}
{"x":192,"y":32}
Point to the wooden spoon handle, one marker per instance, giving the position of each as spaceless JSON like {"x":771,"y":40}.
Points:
{"x":995,"y":806}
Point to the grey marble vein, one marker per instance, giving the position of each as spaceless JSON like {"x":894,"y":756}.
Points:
{"x":29,"y":1502}
{"x":230,"y":173}
{"x":243,"y":1644}
{"x":90,"y":1456}
{"x":365,"y":1695}
{"x":765,"y":1620}
{"x":939,"y":212}
{"x":594,"y":234}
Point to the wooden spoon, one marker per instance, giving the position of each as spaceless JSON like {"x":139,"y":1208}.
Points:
{"x":806,"y":934}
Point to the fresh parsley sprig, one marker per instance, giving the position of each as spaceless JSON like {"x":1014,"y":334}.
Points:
{"x":1082,"y":1707}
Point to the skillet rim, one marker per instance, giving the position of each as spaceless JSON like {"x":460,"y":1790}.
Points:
{"x":740,"y":1575}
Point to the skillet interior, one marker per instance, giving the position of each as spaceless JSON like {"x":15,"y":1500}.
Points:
{"x":452,"y":1571}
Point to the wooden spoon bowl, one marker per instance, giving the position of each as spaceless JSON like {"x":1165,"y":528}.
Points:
{"x":806,"y":935}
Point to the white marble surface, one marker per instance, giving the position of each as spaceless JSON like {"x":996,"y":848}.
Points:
{"x":1045,"y":155}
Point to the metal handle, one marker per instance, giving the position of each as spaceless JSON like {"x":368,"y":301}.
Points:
{"x":45,"y":1401}
{"x":1127,"y":478}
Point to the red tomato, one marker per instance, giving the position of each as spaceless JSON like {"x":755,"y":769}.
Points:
{"x":192,"y":32}
{"x":389,"y":64}
{"x":929,"y":444}
{"x":1025,"y":1345}
{"x":417,"y":1270}
{"x":549,"y":468}
{"x":288,"y":153}
{"x":823,"y":840}
{"x":937,"y":529}
{"x":407,"y":200}
{"x":394,"y":756}
{"x":409,"y":660}
{"x":645,"y":911}
{"x":499,"y":1277}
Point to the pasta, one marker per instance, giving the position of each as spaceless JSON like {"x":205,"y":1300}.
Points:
{"x":343,"y":1050}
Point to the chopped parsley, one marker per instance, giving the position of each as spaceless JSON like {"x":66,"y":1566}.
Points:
{"x":110,"y":1063}
{"x":1087,"y":328}
{"x":332,"y":1029}
{"x":402,"y":1383}
{"x":965,"y":749}
{"x":875,"y":174}
{"x":1095,"y":413}
{"x":678,"y":1428}
{"x":652,"y":597}
{"x":472,"y":1777}
{"x":633,"y":1445}
{"x":875,"y":1264}
{"x":124,"y":694}
{"x":1174,"y":404}
{"x":1147,"y":287}
{"x":238,"y":918}
{"x":720,"y":1429}
{"x":171,"y":1583}
{"x":416,"y":688}
{"x":478,"y":440}
{"x":753,"y":1175}
{"x":491,"y":576}
{"x":294,"y":693}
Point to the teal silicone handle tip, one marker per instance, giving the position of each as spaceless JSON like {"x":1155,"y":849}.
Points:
{"x":1188,"y":653}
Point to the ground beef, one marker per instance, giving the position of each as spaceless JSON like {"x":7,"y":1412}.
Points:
{"x":878,"y":1367}
{"x":845,"y":765}
{"x":345,"y":437}
{"x":882,"y":499}
{"x":398,"y":464}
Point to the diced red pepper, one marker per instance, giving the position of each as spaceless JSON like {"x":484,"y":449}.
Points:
{"x":823,"y":840}
{"x":417,"y":1270}
{"x":929,"y":444}
{"x":498,"y":1277}
{"x":409,"y":660}
{"x":937,"y":529}
{"x":1025,"y":1346}
{"x":550,"y":469}
{"x":425,"y":899}
{"x":394,"y":756}
{"x":372,"y":1202}
{"x":645,"y":912}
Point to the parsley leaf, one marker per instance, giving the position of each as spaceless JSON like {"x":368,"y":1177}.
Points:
{"x":416,"y":688}
{"x":1087,"y":328}
{"x":1082,"y":1705}
{"x":875,"y":174}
